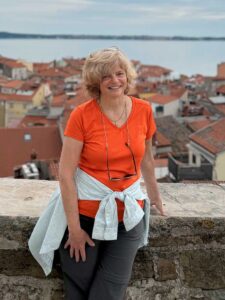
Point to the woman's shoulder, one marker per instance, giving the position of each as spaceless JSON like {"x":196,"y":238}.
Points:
{"x":142,"y":103}
{"x":85,"y":105}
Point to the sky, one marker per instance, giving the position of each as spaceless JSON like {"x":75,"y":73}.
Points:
{"x":114,"y":17}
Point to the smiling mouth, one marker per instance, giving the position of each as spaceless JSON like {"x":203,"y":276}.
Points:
{"x":114,"y":87}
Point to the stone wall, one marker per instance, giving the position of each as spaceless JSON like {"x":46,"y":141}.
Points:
{"x":185,"y":258}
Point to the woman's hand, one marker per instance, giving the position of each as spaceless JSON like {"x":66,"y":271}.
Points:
{"x":76,"y":241}
{"x":157,"y":204}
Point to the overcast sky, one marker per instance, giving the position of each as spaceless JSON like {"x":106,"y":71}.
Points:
{"x":159,"y":17}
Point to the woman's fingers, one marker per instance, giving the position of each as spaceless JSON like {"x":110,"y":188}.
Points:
{"x":83,"y":253}
{"x":90,"y":242}
{"x":77,"y":254}
{"x":66,"y":244}
{"x":77,"y":250}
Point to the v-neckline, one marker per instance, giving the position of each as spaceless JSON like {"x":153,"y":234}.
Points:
{"x":109,"y":121}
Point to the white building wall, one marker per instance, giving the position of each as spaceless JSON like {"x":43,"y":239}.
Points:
{"x":171,"y":108}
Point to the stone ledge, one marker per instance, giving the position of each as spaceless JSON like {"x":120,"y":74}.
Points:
{"x":29,"y":197}
{"x":185,"y":258}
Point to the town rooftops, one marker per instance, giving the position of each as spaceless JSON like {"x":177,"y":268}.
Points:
{"x":212,"y":137}
{"x":13,"y":64}
{"x":16,"y":97}
{"x":199,"y":124}
{"x":175,"y":132}
{"x":14,"y":84}
{"x":30,"y":121}
{"x":161,"y":140}
{"x":162,"y":99}
{"x":153,"y":71}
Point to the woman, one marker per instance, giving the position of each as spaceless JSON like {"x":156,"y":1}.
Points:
{"x":107,"y":143}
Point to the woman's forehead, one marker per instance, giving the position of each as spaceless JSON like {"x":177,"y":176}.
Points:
{"x":112,"y":68}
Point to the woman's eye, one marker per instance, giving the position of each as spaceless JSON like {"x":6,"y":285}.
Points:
{"x":120,"y":74}
{"x":105,"y":77}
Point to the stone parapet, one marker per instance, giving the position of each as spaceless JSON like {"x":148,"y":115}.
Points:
{"x":185,"y":258}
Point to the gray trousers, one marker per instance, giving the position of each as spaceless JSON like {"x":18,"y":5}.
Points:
{"x":106,"y":272}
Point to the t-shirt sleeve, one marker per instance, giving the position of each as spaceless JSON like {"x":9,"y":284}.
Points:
{"x":151,"y":129}
{"x":74,"y":127}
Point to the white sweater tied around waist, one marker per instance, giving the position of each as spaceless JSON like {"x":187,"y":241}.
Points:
{"x":50,"y":228}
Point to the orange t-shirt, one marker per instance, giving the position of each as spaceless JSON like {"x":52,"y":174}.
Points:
{"x":86,"y":124}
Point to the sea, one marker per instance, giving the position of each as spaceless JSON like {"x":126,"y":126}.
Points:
{"x":182,"y":57}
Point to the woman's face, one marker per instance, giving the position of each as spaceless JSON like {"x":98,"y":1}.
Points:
{"x":115,"y":83}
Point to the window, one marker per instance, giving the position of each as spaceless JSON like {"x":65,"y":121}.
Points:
{"x":194,"y":159}
{"x":159,"y":109}
{"x":27,"y":137}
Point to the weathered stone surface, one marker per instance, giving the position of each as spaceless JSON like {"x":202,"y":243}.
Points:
{"x":19,"y":262}
{"x":204,"y":268}
{"x":143,"y":265}
{"x":166,"y":269}
{"x":28,"y":288}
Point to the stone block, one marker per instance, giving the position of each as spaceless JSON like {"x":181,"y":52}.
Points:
{"x":204,"y":268}
{"x":166,"y":269}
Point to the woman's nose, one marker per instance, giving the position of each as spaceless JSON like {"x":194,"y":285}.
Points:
{"x":114,"y":77}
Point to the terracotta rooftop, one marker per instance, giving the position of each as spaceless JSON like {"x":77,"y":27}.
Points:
{"x":53,"y":73}
{"x":212,"y":137}
{"x":30,"y":121}
{"x":59,"y":100}
{"x":196,"y":125}
{"x":221,"y":108}
{"x":221,"y":89}
{"x":15,"y":84}
{"x":175,"y":132}
{"x":16,"y":97}
{"x":11,"y":62}
{"x":41,"y":66}
{"x":18,"y":143}
{"x":162,"y":99}
{"x":153,"y":71}
{"x":161,"y":140}
{"x":75,"y":62}
{"x":70,"y":70}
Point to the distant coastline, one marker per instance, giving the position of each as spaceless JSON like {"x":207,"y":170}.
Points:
{"x":9,"y":35}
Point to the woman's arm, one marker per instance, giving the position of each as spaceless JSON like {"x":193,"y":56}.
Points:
{"x":69,"y":160}
{"x":147,"y":169}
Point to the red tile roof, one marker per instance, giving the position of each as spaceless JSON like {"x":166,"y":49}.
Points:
{"x":15,"y":150}
{"x":221,"y":89}
{"x":53,"y":73}
{"x":152,"y":71}
{"x":162,"y":99}
{"x":15,"y":84}
{"x":220,"y":107}
{"x":41,"y":66}
{"x":196,"y":125}
{"x":11,"y":63}
{"x":212,"y":137}
{"x":161,"y":140}
{"x":59,"y":100}
{"x":75,"y":62}
{"x":30,"y":121}
{"x":15,"y":97}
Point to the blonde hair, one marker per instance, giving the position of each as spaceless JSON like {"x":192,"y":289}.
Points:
{"x":100,"y":63}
